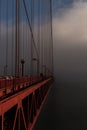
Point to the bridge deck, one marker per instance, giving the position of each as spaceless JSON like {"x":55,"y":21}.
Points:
{"x":20,"y":111}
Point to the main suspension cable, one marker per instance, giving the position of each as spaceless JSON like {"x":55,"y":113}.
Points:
{"x":30,"y":27}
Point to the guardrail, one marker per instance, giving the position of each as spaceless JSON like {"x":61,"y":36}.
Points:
{"x":20,"y":111}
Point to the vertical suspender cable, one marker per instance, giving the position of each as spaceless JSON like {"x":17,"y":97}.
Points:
{"x":51,"y":35}
{"x":25,"y":47}
{"x":26,"y":52}
{"x":42,"y":32}
{"x":6,"y":65}
{"x":22,"y":32}
{"x":0,"y":19}
{"x":0,"y":24}
{"x":28,"y":47}
{"x":23,"y":36}
{"x":38,"y":60}
{"x":45,"y":38}
{"x":17,"y":40}
{"x":32,"y":2}
{"x":42,"y":37}
{"x":12,"y":37}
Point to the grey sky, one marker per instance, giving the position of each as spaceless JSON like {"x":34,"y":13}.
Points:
{"x":70,"y":43}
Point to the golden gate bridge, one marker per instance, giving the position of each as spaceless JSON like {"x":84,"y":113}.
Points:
{"x":26,"y":61}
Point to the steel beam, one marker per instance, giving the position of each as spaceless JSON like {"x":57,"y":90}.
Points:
{"x":29,"y":101}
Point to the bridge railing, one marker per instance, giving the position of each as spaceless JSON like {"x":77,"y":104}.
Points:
{"x":11,"y":85}
{"x":20,"y":111}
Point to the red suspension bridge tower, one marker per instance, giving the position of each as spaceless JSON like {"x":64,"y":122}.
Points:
{"x":26,"y":61}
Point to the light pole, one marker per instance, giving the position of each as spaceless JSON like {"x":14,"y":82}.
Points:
{"x":35,"y":59}
{"x":22,"y":64}
{"x":44,"y":66}
{"x":5,"y":69}
{"x":47,"y":72}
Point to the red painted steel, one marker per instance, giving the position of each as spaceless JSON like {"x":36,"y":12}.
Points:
{"x":20,"y":111}
{"x":9,"y":85}
{"x":38,"y":111}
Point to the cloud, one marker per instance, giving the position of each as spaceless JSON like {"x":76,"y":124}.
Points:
{"x":70,"y":43}
{"x":70,"y":28}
